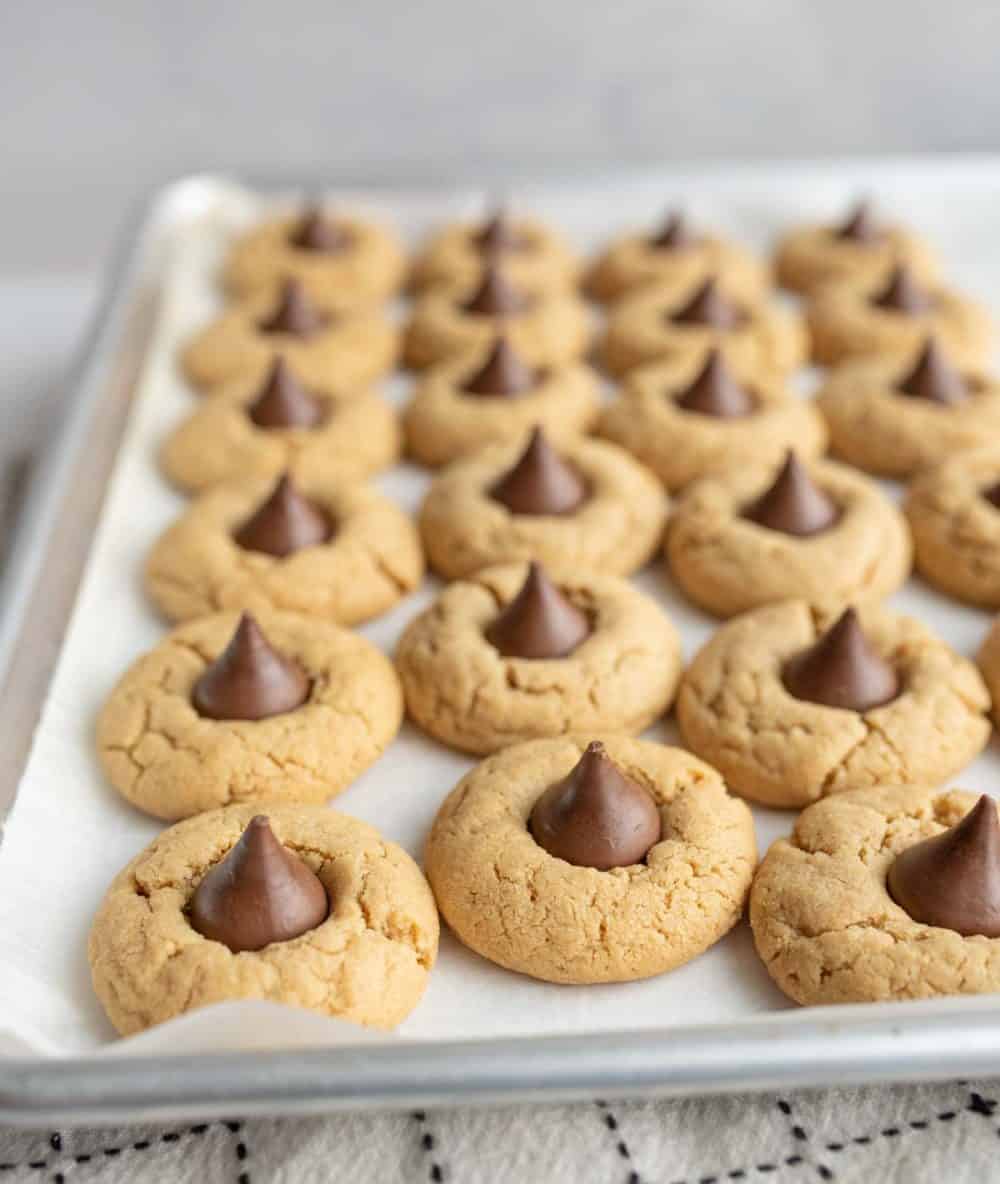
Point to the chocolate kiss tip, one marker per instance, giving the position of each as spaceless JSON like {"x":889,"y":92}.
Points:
{"x":709,"y":306}
{"x":596,"y":816}
{"x":539,"y":622}
{"x":952,"y":880}
{"x":716,"y":392}
{"x":317,"y":232}
{"x":934,"y":378}
{"x":903,"y":294}
{"x":283,"y":402}
{"x":503,"y":373}
{"x":794,"y":504}
{"x":283,"y":524}
{"x":842,"y":670}
{"x":258,"y":894}
{"x":674,"y":234}
{"x":249,"y":680}
{"x":498,"y":233}
{"x":495,"y":296}
{"x":860,"y":225}
{"x":541,"y":482}
{"x":295,"y":314}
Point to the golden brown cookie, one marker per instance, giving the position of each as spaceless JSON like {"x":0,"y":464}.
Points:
{"x":894,"y":317}
{"x":532,"y":253}
{"x":368,"y":962}
{"x":546,"y":327}
{"x":678,"y":255}
{"x":752,"y":535}
{"x":682,"y":323}
{"x":615,"y":528}
{"x":166,"y":757}
{"x":861,"y":249}
{"x":462,"y":689}
{"x":825,"y":923}
{"x":341,"y":260}
{"x":369,"y":561}
{"x":328,"y":351}
{"x":877,"y":425}
{"x":511,"y":901}
{"x":493,"y":395}
{"x":321,"y":435}
{"x":654,"y":421}
{"x":734,"y":710}
{"x":954,"y":513}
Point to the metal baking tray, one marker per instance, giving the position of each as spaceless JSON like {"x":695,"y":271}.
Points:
{"x":929,"y":1040}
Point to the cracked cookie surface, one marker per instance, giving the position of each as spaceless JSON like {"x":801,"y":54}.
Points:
{"x":165,"y":758}
{"x":554,"y":329}
{"x":988,"y":660}
{"x":368,"y":962}
{"x":512,"y":902}
{"x":352,"y":350}
{"x":956,"y":530}
{"x":771,"y":339}
{"x":371,"y":562}
{"x":463,"y":691}
{"x":728,"y":564}
{"x":616,"y":530}
{"x":876,"y":427}
{"x":442,"y":422}
{"x":680,"y":445}
{"x":844,"y":323}
{"x":735,"y":712}
{"x":219,"y":441}
{"x":453,"y":256}
{"x":370,"y":266}
{"x":823,"y":920}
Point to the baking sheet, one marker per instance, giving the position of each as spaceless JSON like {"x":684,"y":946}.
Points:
{"x":69,"y":833}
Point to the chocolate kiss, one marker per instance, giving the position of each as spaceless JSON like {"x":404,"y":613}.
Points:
{"x":495,"y":297}
{"x":596,"y":817}
{"x":953,"y":879}
{"x":541,"y":482}
{"x":260,"y":893}
{"x":285,"y":523}
{"x":716,"y":392}
{"x":794,"y":504}
{"x":498,"y":234}
{"x":250,"y":679}
{"x":935,"y":378}
{"x":674,"y":234}
{"x":503,"y":373}
{"x":842,"y":670}
{"x":903,"y":294}
{"x":992,"y":494}
{"x":317,"y":232}
{"x":709,"y":306}
{"x":539,"y":622}
{"x":860,"y":225}
{"x":295,"y":314}
{"x":283,"y":402}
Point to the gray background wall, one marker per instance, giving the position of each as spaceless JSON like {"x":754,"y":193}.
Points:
{"x":101,"y":100}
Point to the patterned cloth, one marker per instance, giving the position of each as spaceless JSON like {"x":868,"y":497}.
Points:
{"x":884,"y":1135}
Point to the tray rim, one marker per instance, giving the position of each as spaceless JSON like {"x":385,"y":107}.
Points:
{"x":919,"y":1041}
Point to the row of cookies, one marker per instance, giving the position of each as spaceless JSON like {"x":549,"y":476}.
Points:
{"x":229,"y":714}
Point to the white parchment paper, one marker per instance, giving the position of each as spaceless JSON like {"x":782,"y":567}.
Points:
{"x":69,"y":833}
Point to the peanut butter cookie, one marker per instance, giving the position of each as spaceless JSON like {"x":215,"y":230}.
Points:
{"x":366,"y":961}
{"x":885,"y":703}
{"x":509,"y":655}
{"x":603,"y":910}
